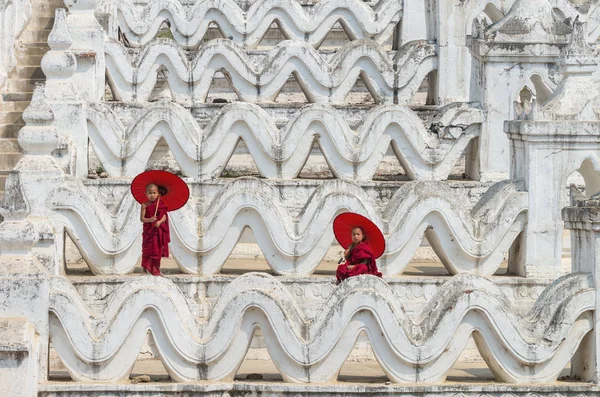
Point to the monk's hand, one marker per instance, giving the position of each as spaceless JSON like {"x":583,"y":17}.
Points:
{"x":152,"y":219}
{"x":157,"y":224}
{"x":345,"y":253}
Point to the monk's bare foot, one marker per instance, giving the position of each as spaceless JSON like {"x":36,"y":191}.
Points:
{"x":337,"y":282}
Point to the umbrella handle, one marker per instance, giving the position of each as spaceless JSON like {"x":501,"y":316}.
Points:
{"x":156,"y":210}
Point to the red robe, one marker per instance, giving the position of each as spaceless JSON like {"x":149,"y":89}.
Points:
{"x":155,"y":240}
{"x":359,"y":253}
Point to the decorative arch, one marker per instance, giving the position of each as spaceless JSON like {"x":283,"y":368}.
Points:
{"x":492,"y":9}
{"x":538,"y":82}
{"x":588,"y":165}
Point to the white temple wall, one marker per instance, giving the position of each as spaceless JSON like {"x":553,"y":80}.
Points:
{"x":527,"y":325}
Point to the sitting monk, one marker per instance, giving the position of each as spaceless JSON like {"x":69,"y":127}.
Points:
{"x":359,"y":258}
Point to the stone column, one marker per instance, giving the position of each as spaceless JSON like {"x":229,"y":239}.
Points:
{"x":583,"y":220}
{"x":413,"y":23}
{"x":447,"y":26}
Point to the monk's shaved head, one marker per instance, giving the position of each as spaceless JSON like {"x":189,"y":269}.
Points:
{"x":161,"y":189}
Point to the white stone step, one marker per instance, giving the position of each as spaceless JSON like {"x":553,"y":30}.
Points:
{"x":3,"y":177}
{"x":41,"y":22}
{"x":29,"y":60}
{"x":10,"y":131}
{"x":9,"y":160}
{"x":46,"y":9}
{"x":14,"y":106}
{"x":336,"y":37}
{"x":35,"y":35}
{"x":221,"y":84}
{"x":28,"y":72}
{"x":17,"y":96}
{"x":9,"y":146}
{"x":22,"y":85}
{"x":24,"y":50}
{"x":11,"y":117}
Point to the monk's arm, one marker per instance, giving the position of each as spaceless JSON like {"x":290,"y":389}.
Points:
{"x":363,"y":262}
{"x":142,"y":218}
{"x":161,"y":220}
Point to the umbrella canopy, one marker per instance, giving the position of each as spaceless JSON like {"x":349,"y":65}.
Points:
{"x":177,"y":191}
{"x":342,"y":229}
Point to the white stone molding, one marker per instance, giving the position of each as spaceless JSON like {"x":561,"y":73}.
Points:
{"x":202,"y":242}
{"x":396,"y":80}
{"x":425,"y":153}
{"x":520,"y":349}
{"x":202,"y":292}
{"x":339,"y":389}
{"x":141,"y":22}
{"x":14,"y":15}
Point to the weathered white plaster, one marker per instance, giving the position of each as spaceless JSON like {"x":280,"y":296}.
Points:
{"x":426,"y":153}
{"x":133,"y":76}
{"x":140,"y":21}
{"x":408,"y":352}
{"x":201,"y":242}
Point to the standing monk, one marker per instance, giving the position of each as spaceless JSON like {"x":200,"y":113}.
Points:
{"x":155,"y":237}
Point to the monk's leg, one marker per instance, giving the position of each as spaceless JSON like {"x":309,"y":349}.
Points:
{"x":147,"y":263}
{"x":155,"y":265}
{"x":358,"y":270}
{"x":341,"y":273}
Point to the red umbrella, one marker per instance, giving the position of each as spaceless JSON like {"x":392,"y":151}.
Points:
{"x":177,"y":191}
{"x":342,"y":229}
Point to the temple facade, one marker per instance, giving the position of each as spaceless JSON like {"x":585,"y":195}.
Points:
{"x":467,"y":130}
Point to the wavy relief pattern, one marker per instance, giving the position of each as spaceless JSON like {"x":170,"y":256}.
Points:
{"x":466,"y":240}
{"x":140,"y":24}
{"x":520,"y":349}
{"x":133,"y":78}
{"x":282,"y":153}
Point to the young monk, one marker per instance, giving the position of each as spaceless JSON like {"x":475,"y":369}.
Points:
{"x":359,"y":258}
{"x":155,"y":237}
